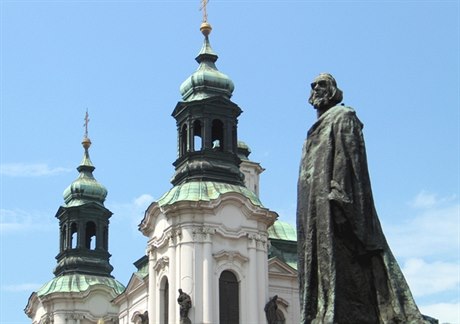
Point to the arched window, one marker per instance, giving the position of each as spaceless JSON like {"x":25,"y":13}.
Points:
{"x":64,"y":238}
{"x":197,"y":136}
{"x":106,"y":238}
{"x":229,"y":298}
{"x":183,"y":140}
{"x":73,"y":236}
{"x":90,"y":236}
{"x":217,"y":135}
{"x":164,"y":301}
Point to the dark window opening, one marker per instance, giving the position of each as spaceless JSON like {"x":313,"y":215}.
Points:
{"x":183,"y":140}
{"x":73,"y":235}
{"x":197,"y":136}
{"x":64,"y":238}
{"x":229,"y":310}
{"x":164,"y":301}
{"x":90,"y":236}
{"x":106,"y":239}
{"x":217,"y":135}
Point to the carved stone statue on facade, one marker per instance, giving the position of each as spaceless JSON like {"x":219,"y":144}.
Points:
{"x":140,"y":318}
{"x":185,"y":303}
{"x":347,"y":273}
{"x":273,"y":314}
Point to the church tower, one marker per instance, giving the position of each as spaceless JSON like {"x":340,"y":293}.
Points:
{"x":208,"y":234}
{"x":83,"y":287}
{"x":206,"y":121}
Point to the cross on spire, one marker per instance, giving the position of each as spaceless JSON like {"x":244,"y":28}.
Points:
{"x":86,"y":123}
{"x":204,"y":3}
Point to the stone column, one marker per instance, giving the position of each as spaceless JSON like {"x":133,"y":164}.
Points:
{"x":262,"y":266}
{"x":172,"y":278}
{"x":208,"y":302}
{"x":152,"y":285}
{"x":253,"y":280}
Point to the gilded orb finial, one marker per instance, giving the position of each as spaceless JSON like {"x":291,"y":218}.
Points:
{"x":205,"y":27}
{"x":86,"y":142}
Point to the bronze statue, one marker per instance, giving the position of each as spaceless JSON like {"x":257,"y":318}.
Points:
{"x":185,"y":303}
{"x":347,"y":273}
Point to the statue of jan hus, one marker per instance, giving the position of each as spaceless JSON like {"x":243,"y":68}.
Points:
{"x":347,"y":273}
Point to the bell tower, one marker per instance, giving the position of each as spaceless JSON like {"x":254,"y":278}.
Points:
{"x":207,"y":235}
{"x":84,"y":224}
{"x":83,"y":287}
{"x":206,"y":122}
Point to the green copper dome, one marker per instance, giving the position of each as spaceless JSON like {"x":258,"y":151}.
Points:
{"x":205,"y":191}
{"x":206,"y":81}
{"x":282,"y":231}
{"x":77,"y":283}
{"x":85,"y":188}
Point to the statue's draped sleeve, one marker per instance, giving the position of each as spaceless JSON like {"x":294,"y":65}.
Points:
{"x":350,"y":188}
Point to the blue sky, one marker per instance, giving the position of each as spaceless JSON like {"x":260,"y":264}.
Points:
{"x":397,"y":63}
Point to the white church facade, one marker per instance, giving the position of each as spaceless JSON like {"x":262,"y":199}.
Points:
{"x":209,"y":236}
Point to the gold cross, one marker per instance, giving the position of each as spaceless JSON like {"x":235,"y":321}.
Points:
{"x":86,"y":123}
{"x":203,"y":8}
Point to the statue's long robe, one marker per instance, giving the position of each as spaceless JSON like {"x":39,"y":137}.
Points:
{"x":347,"y":272}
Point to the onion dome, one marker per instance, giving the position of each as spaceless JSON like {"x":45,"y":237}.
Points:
{"x":85,"y":188}
{"x":206,"y":81}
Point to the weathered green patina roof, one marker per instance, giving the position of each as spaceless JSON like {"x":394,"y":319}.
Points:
{"x":142,"y":266}
{"x":204,"y":191}
{"x":283,"y":239}
{"x":282,"y":231}
{"x":207,"y":81}
{"x":76,"y":283}
{"x":85,"y":188}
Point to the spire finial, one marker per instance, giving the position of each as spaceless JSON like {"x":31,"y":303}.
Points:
{"x":86,"y":141}
{"x":205,"y":27}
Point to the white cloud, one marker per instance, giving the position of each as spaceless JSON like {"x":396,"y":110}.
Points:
{"x":132,"y":211}
{"x":143,"y":201}
{"x":423,"y":200}
{"x":30,"y":170}
{"x":25,"y":287}
{"x":432,"y":232}
{"x":426,"y":244}
{"x":444,"y":312}
{"x":430,"y":278}
{"x":14,"y":221}
{"x":426,"y":200}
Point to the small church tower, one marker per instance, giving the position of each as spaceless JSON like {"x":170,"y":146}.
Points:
{"x":83,"y":287}
{"x":207,"y":235}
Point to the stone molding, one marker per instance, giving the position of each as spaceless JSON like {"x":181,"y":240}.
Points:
{"x":161,"y":264}
{"x":258,"y":241}
{"x":203,"y":234}
{"x":170,"y":237}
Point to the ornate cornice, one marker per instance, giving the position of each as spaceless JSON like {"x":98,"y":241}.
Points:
{"x":203,"y":233}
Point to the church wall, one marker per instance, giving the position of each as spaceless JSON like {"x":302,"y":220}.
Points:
{"x":136,"y":302}
{"x":78,"y":308}
{"x":197,"y":245}
{"x":286,"y":287}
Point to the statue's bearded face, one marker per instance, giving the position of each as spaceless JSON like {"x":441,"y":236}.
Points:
{"x":320,"y":93}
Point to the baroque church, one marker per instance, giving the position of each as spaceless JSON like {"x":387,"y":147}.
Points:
{"x":209,"y":236}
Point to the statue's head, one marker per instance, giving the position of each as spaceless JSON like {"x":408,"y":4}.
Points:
{"x":324,"y":92}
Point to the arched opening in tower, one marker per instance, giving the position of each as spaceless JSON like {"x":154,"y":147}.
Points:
{"x":217,"y":135}
{"x":90,"y":236}
{"x":197,"y":136}
{"x":73,"y":236}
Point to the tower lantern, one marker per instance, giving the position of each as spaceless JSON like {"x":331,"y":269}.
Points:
{"x":206,"y":122}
